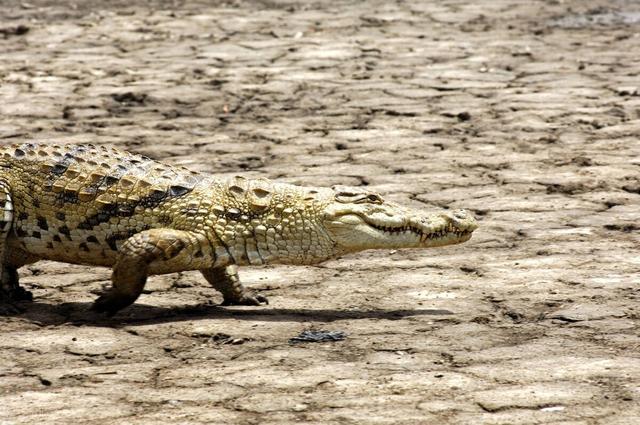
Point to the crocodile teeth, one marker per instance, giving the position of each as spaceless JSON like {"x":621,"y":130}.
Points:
{"x":450,"y":231}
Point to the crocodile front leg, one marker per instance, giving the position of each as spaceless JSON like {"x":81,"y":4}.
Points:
{"x":155,"y":251}
{"x":226,"y":280}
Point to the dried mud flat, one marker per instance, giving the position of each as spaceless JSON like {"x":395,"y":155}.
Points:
{"x":527,"y":113}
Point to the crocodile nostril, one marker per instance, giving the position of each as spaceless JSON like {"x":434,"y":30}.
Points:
{"x":460,"y":214}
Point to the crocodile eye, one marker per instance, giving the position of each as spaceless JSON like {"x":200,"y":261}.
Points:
{"x":356,"y":197}
{"x":374,"y":198}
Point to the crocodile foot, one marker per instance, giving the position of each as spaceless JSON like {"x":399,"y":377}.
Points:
{"x":21,"y":294}
{"x":255,"y":299}
{"x":9,"y":301}
{"x":8,"y":308}
{"x":111,"y":302}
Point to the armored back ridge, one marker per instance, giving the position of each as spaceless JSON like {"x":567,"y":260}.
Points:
{"x":94,"y":205}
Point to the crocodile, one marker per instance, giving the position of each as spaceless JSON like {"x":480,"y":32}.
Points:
{"x":99,"y":206}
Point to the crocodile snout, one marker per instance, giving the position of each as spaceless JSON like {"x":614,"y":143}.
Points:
{"x":463,"y":220}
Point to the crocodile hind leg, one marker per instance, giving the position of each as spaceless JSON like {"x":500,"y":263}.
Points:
{"x":150,"y":252}
{"x":225,"y":279}
{"x":17,"y":292}
{"x":10,"y":290}
{"x":15,"y":258}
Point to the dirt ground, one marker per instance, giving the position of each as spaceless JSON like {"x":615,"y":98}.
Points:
{"x":526,"y":113}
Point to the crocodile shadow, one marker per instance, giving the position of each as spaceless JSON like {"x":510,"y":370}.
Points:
{"x":79,"y":313}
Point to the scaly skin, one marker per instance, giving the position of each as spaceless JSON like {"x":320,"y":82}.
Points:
{"x":93,"y":205}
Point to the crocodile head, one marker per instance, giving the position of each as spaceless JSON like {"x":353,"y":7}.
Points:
{"x":357,"y":219}
{"x":260,"y":222}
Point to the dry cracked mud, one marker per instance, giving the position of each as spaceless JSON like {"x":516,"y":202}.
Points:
{"x":527,"y":113}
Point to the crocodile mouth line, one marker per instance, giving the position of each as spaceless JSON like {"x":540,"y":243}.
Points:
{"x":424,"y":236}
